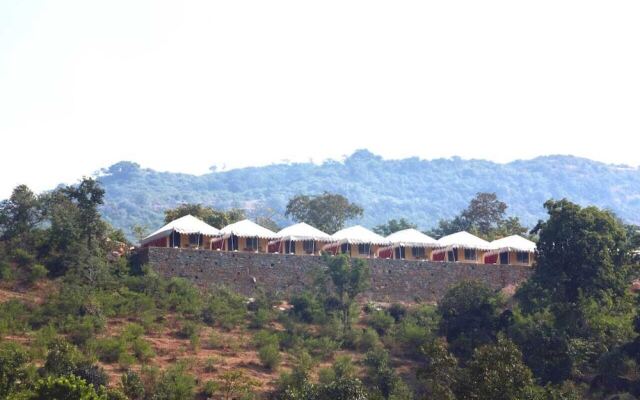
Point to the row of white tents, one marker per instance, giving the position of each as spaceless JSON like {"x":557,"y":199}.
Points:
{"x":357,"y":241}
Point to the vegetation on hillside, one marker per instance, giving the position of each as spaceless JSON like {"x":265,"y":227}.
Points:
{"x":79,"y":322}
{"x":422,"y":191}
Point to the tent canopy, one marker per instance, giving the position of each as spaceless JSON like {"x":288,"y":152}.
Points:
{"x":187,"y":225}
{"x":512,"y":243}
{"x":464,"y":240}
{"x":358,"y":235}
{"x":302,"y":231}
{"x":412,"y":237}
{"x":247,"y":228}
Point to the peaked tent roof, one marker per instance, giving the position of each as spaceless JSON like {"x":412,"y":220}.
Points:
{"x":358,"y":234}
{"x":247,"y":228}
{"x":512,"y":243}
{"x":302,"y":231}
{"x":412,"y":237}
{"x":185,"y":225}
{"x":464,"y":239}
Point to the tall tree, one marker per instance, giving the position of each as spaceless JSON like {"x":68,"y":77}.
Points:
{"x":484,"y":216}
{"x":484,"y":212}
{"x":350,"y":277}
{"x":581,"y":252}
{"x":88,"y":196}
{"x":327,"y":212}
{"x":392,"y":226}
{"x":19,"y":215}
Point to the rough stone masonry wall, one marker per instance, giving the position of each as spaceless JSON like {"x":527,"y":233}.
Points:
{"x":391,"y":280}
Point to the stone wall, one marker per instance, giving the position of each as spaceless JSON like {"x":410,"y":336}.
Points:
{"x":391,"y":280}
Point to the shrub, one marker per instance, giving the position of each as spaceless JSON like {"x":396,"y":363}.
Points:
{"x":259,"y":319}
{"x":270,"y":356}
{"x":23,"y":258}
{"x":6,"y":272}
{"x":263,"y":338}
{"x":175,"y":383}
{"x":307,"y":308}
{"x":225,"y":309}
{"x":92,"y":374}
{"x":381,"y":321}
{"x":13,"y":359}
{"x":62,"y":358}
{"x":36,"y":272}
{"x":188,"y":329}
{"x":215,"y":341}
{"x":397,"y":311}
{"x":116,"y":394}
{"x":132,"y":386}
{"x":142,"y":350}
{"x":210,"y":365}
{"x":322,"y":347}
{"x":210,"y":388}
{"x":80,"y":330}
{"x":64,"y":387}
{"x":42,"y":338}
{"x":369,"y":340}
{"x":110,"y":349}
{"x":14,"y":317}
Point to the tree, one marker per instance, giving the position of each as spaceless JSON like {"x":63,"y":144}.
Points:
{"x":19,"y":215}
{"x":469,"y":317}
{"x":439,"y":372}
{"x":393,"y":226}
{"x":484,"y":212}
{"x":327,"y":212}
{"x":582,"y":252}
{"x":211,"y":216}
{"x":497,"y":372}
{"x":484,"y":216}
{"x":88,"y":196}
{"x":350,"y":277}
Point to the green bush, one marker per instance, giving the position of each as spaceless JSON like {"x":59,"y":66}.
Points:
{"x":14,"y":317}
{"x":110,"y":349}
{"x":188,"y":329}
{"x":64,"y":388}
{"x":270,"y":356}
{"x":13,"y":360}
{"x":381,"y":321}
{"x":175,"y":384}
{"x":225,"y":309}
{"x":6,"y":272}
{"x":132,"y":385}
{"x":210,"y":388}
{"x":62,"y":358}
{"x":369,"y":340}
{"x":36,"y":272}
{"x":264,"y":338}
{"x":142,"y":350}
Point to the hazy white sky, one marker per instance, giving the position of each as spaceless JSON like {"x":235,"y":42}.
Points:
{"x":182,"y":86}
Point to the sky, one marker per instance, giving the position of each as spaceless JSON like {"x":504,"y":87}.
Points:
{"x":186,"y":85}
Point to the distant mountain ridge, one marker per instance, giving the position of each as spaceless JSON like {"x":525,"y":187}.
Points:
{"x":423,"y":191}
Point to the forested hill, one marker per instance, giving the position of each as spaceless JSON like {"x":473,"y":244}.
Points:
{"x":422,"y":191}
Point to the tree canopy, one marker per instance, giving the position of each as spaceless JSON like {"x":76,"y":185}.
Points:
{"x":327,"y":211}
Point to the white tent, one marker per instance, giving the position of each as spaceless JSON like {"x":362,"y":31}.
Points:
{"x":357,"y":235}
{"x":302,"y":231}
{"x":187,"y":225}
{"x":247,"y":228}
{"x":464,"y":240}
{"x":512,"y":243}
{"x":412,"y":237}
{"x":299,"y":232}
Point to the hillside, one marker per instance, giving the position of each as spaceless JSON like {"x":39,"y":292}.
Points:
{"x":423,"y":191}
